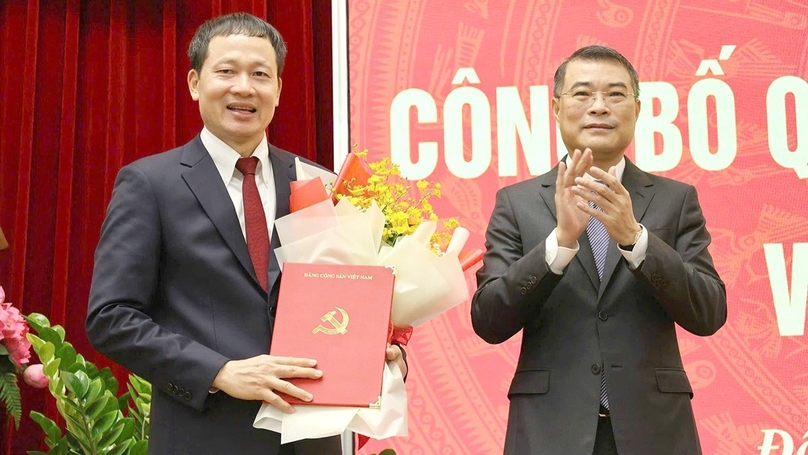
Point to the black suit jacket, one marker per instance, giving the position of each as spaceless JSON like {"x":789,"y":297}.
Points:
{"x":574,"y":325}
{"x":174,"y":296}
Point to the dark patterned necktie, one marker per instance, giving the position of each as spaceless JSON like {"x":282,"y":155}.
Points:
{"x":255,"y":221}
{"x":599,"y":240}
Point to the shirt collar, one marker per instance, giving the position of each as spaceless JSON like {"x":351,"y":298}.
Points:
{"x":225,"y":157}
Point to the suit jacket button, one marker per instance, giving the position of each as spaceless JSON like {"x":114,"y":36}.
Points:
{"x":273,"y":310}
{"x":523,"y":290}
{"x":187,"y":395}
{"x":602,"y":315}
{"x":596,"y":368}
{"x":170,"y":387}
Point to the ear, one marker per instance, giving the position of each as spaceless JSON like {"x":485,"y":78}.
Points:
{"x":638,"y":105}
{"x":193,"y":84}
{"x":556,"y":107}
{"x":278,"y":97}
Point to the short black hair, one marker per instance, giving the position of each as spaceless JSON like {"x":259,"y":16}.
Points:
{"x":598,"y":53}
{"x":234,"y":24}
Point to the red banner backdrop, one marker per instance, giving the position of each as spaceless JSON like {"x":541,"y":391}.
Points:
{"x":458,"y":92}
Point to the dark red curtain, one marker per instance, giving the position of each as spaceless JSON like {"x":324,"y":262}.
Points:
{"x":89,"y":86}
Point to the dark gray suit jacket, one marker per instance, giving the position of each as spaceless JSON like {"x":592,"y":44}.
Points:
{"x":174,"y":296}
{"x":574,"y":325}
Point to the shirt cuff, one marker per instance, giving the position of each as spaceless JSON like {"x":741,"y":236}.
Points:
{"x":559,"y":257}
{"x":637,"y":254}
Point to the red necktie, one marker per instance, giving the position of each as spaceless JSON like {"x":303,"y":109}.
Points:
{"x":255,"y":220}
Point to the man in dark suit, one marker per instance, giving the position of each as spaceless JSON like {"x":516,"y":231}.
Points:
{"x":598,"y":289}
{"x":175,"y":296}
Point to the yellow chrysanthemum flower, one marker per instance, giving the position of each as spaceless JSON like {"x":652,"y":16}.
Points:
{"x":404,"y":205}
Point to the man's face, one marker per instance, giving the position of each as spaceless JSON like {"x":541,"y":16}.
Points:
{"x":603,"y":122}
{"x":237,"y":89}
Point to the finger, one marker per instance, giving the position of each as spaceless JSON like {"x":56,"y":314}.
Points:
{"x":592,"y":184}
{"x":275,"y":400}
{"x":609,"y":177}
{"x":393,"y":352}
{"x":290,"y":389}
{"x":584,"y":163}
{"x":583,"y":206}
{"x":295,"y":361}
{"x":291,"y":371}
{"x":595,"y":192}
{"x":562,"y":171}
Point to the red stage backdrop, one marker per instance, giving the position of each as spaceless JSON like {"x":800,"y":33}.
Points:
{"x":458,"y":92}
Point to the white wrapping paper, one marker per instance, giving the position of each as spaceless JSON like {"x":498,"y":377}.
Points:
{"x":426,"y":285}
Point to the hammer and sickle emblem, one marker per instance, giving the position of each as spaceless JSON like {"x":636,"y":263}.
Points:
{"x":337,"y":327}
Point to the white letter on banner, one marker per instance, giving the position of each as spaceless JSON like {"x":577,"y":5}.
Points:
{"x":804,"y":446}
{"x":648,"y":125}
{"x":790,"y":311}
{"x":698,"y":125}
{"x":427,"y":112}
{"x":480,"y":132}
{"x":534,"y":137}
{"x":778,"y":135}
{"x":768,"y":443}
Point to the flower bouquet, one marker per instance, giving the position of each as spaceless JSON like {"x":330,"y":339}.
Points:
{"x":372,"y":216}
{"x":15,"y":353}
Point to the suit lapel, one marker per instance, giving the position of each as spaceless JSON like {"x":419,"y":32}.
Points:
{"x":584,"y":256}
{"x":215,"y":200}
{"x":283,"y":169}
{"x":642,"y":192}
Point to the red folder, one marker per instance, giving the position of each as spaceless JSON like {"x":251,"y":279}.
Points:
{"x":338,"y":315}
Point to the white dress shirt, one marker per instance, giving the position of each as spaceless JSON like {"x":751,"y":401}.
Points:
{"x":225,"y":157}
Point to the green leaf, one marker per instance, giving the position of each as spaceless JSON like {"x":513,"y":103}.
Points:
{"x":51,"y":369}
{"x":60,"y":331}
{"x":69,"y":406}
{"x":37,"y":321}
{"x":10,"y":396}
{"x":103,"y":424}
{"x":80,"y":364}
{"x":140,"y":448}
{"x":76,"y":426}
{"x":98,"y":406}
{"x":75,"y":368}
{"x":35,"y":341}
{"x":52,"y":431}
{"x":107,"y":376}
{"x":128,"y":431}
{"x":62,"y":448}
{"x":140,"y":384}
{"x":46,"y":352}
{"x":120,"y":448}
{"x":77,"y":383}
{"x":50,"y":336}
{"x":111,"y":436}
{"x":96,"y":389}
{"x":71,"y":441}
{"x":67,"y":353}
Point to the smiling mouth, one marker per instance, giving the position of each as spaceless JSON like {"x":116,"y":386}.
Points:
{"x":244,"y":109}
